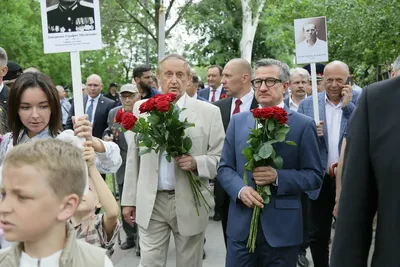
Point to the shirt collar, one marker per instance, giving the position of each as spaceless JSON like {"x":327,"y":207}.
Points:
{"x":1,"y":87}
{"x":194,"y":96}
{"x":327,"y":101}
{"x":95,"y":99}
{"x":181,"y":101}
{"x":246,"y":98}
{"x":219,"y":89}
{"x":291,"y":101}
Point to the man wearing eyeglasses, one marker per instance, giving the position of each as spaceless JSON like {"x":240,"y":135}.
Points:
{"x":280,"y":230}
{"x":129,"y":95}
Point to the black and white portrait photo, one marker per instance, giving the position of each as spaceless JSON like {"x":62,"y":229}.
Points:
{"x":70,"y":16}
{"x":311,"y":40}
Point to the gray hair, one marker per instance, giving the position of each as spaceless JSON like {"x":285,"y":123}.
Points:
{"x":3,"y":57}
{"x":59,"y":88}
{"x":175,"y":56}
{"x":396,"y":64}
{"x":283,"y":67}
{"x":301,"y":72}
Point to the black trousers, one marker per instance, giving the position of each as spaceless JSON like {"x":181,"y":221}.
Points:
{"x":321,"y":222}
{"x":130,"y":231}
{"x":306,"y":224}
{"x":221,"y":206}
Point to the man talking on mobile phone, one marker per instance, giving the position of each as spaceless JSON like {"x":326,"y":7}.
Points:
{"x":336,"y":105}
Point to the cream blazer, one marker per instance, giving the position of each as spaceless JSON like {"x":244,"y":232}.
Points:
{"x":141,"y":174}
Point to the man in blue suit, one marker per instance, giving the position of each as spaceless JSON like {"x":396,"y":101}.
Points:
{"x":280,"y":229}
{"x":214,"y":91}
{"x":336,"y":105}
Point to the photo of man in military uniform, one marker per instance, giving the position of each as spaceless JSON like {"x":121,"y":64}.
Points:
{"x":70,"y":16}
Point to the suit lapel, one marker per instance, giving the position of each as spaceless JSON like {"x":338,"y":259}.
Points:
{"x":100,"y":106}
{"x":254,"y":104}
{"x":189,"y":113}
{"x":226,"y":113}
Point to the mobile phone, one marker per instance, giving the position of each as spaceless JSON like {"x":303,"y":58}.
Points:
{"x":348,"y":81}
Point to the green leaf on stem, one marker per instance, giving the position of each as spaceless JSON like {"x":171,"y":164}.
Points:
{"x":280,"y":137}
{"x":245,"y":179}
{"x":187,"y":143}
{"x":278,"y":161}
{"x":271,"y":125}
{"x":168,"y":158}
{"x":284,"y":130}
{"x":257,"y":157}
{"x":248,"y":153}
{"x":265,"y":151}
{"x":153,"y":119}
{"x":144,"y":151}
{"x":291,"y":143}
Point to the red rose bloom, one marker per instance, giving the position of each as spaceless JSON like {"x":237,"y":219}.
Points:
{"x":223,"y":96}
{"x":118,"y":117}
{"x":268,"y":113}
{"x":128,"y":121}
{"x":170,"y":97}
{"x":147,"y":106}
{"x":162,"y":105}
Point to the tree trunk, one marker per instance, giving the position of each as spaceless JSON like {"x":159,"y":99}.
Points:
{"x":249,"y":27}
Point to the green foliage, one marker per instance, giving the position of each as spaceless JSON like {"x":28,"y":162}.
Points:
{"x":362,"y":33}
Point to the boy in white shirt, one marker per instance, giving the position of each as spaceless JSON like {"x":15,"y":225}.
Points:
{"x":43,"y":183}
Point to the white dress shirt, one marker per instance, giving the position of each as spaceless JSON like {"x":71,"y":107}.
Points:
{"x":95,"y":102}
{"x":1,"y":87}
{"x":50,"y":261}
{"x":217,"y":93}
{"x":292,"y":105}
{"x":166,"y":172}
{"x":333,"y":120}
{"x":194,"y":96}
{"x":246,"y":102}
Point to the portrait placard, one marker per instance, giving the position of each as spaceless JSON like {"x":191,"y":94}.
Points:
{"x":70,"y":26}
{"x":311,"y":40}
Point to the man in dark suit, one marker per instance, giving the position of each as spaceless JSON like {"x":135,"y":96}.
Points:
{"x":370,"y":181}
{"x":236,"y":79}
{"x":112,"y":93}
{"x":129,"y":96}
{"x":280,"y":229}
{"x":192,"y":88}
{"x":336,"y":105}
{"x":214,"y":91}
{"x":95,"y":105}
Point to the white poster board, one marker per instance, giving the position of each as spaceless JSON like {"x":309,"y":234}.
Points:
{"x":311,"y":40}
{"x":71,"y":26}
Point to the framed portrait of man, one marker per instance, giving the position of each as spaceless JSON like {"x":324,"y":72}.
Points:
{"x":311,"y":40}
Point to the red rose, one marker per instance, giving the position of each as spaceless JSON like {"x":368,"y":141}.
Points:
{"x":118,"y":117}
{"x":170,"y":97}
{"x":162,"y":106}
{"x":223,"y":96}
{"x":268,"y":113}
{"x":128,"y":121}
{"x":147,"y":106}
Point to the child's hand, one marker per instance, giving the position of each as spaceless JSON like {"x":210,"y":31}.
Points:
{"x":89,"y":156}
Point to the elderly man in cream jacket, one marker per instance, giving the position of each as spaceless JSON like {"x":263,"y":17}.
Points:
{"x":157,"y":194}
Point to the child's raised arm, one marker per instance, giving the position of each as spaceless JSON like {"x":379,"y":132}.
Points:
{"x":106,"y":198}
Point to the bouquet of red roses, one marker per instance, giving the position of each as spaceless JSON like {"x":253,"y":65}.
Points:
{"x":163,"y":130}
{"x":270,"y":128}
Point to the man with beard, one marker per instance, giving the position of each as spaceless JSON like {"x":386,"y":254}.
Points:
{"x":143,"y":78}
{"x":299,"y":82}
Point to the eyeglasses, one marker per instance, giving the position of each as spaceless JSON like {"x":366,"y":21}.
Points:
{"x":132,"y":96}
{"x":269,"y":82}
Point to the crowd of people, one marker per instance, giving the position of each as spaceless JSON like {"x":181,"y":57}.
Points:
{"x":55,"y":200}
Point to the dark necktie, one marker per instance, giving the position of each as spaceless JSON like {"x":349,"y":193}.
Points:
{"x":238,"y":102}
{"x":90,"y":110}
{"x":213,"y":96}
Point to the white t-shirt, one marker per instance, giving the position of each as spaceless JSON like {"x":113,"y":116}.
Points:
{"x":51,"y":261}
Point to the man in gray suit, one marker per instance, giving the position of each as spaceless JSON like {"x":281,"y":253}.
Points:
{"x":129,"y":95}
{"x":336,"y":105}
